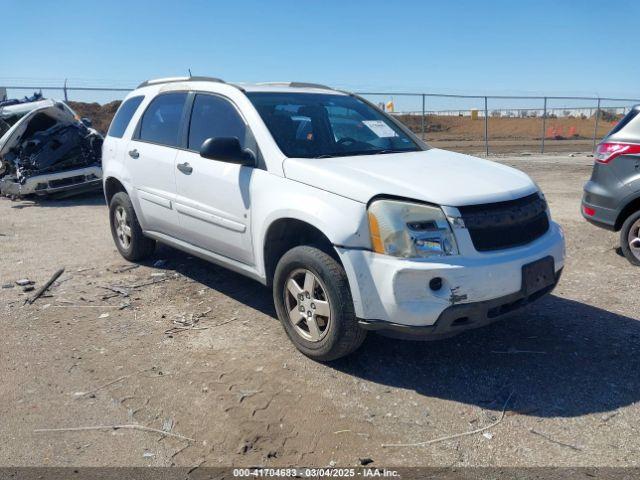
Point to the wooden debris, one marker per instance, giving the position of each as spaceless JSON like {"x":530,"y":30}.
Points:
{"x":133,"y":426}
{"x":46,"y":286}
{"x":552,"y":440}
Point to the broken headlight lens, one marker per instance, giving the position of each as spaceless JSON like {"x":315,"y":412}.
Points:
{"x":410,"y":230}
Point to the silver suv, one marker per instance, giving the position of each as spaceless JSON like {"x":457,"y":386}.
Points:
{"x":612,"y":196}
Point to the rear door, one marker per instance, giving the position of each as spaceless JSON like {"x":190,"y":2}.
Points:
{"x":151,"y":156}
{"x":213,"y":197}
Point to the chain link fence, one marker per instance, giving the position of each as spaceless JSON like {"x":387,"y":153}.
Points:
{"x":491,"y":124}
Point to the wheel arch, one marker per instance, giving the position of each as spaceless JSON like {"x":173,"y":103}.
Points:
{"x":630,"y":208}
{"x":285,"y":233}
{"x":112,"y":186}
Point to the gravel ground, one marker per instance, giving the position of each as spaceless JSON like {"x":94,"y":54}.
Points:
{"x":89,"y":356}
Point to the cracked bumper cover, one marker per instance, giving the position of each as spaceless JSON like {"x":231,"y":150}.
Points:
{"x":393,"y":294}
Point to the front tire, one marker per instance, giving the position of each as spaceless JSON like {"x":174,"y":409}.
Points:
{"x":313,"y":301}
{"x":126,"y":231}
{"x":630,"y":238}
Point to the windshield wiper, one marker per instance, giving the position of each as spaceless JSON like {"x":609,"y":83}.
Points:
{"x":362,"y":152}
{"x":381,"y":152}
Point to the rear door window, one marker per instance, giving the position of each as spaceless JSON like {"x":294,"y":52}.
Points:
{"x":123,"y":116}
{"x":161,"y":121}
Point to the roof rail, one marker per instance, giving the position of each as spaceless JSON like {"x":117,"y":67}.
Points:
{"x":157,"y":81}
{"x":297,"y":85}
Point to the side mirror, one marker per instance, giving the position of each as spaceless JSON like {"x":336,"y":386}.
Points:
{"x":227,"y":149}
{"x":86,"y":122}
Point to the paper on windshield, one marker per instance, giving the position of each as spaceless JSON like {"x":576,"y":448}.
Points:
{"x":380,"y":128}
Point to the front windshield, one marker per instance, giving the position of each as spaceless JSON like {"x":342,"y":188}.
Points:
{"x":312,"y":125}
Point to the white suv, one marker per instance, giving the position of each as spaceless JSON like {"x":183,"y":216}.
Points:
{"x":355,"y":222}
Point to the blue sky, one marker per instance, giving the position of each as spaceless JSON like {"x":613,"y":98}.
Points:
{"x":493,"y":47}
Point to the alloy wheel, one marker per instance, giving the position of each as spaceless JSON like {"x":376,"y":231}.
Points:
{"x":307,"y":303}
{"x":634,"y":239}
{"x":123,"y":227}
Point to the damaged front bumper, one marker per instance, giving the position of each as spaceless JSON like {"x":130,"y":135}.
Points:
{"x":394,"y":294}
{"x":78,"y":180}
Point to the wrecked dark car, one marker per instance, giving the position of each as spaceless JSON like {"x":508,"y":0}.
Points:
{"x":47,"y":149}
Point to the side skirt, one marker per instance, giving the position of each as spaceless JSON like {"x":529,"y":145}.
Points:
{"x":238,"y":267}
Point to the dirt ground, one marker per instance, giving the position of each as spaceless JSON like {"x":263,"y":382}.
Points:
{"x":86,"y":355}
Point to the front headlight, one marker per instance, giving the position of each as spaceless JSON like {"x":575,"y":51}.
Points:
{"x":410,"y":230}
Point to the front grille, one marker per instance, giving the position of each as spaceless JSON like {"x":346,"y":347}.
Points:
{"x":496,"y":226}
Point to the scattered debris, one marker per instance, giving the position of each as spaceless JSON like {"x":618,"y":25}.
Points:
{"x":188,"y":322}
{"x":125,"y":268}
{"x":557,"y":442}
{"x":487,"y":435}
{"x":117,"y":380}
{"x":167,"y":425}
{"x":104,"y":315}
{"x":133,"y":426}
{"x":180,"y":450}
{"x":23,"y":282}
{"x":28,"y":288}
{"x":457,"y":435}
{"x":605,"y":418}
{"x":114,"y":288}
{"x":246,"y":394}
{"x":365,"y":461}
{"x":46,"y":286}
{"x":148,"y":455}
{"x":159,"y":263}
{"x":145,"y":284}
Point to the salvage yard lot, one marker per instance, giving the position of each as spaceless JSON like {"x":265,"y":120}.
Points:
{"x":85,"y":355}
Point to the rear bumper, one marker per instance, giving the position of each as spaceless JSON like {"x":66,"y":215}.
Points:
{"x":81,"y":179}
{"x":602,"y":203}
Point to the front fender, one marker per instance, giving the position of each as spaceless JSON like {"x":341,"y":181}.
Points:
{"x":342,"y":220}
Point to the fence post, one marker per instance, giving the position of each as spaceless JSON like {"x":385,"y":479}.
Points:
{"x":595,"y":130}
{"x":544,"y":124}
{"x":65,"y":90}
{"x":423,"y":102}
{"x":486,"y":127}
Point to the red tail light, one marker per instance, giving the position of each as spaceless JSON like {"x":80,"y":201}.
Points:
{"x":607,"y":151}
{"x":588,"y":211}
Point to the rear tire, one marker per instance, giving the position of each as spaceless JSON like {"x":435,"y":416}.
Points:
{"x":313,"y":301}
{"x":126,"y":231}
{"x":630,"y":238}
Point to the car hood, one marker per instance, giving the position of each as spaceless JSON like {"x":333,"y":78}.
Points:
{"x":435,"y":176}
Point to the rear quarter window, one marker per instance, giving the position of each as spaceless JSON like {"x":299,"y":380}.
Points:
{"x":625,"y":121}
{"x":123,"y":116}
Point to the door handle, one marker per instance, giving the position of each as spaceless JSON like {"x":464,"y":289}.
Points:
{"x":134,"y":153}
{"x":185,"y":168}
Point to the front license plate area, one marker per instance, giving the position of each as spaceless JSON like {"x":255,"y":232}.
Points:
{"x":538,"y":275}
